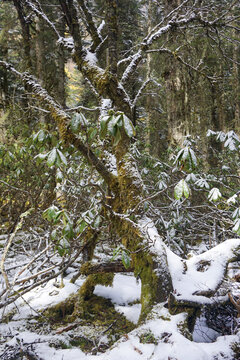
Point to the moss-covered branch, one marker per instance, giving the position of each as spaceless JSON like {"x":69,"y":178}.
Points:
{"x":105,"y":267}
{"x":62,"y":120}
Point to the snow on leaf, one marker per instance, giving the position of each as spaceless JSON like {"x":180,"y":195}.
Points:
{"x":68,"y":231}
{"x":181,"y":189}
{"x":230,"y":144}
{"x":103,"y":125}
{"x":41,"y":156}
{"x":225,"y":168}
{"x":77,"y":121}
{"x":236,"y":227}
{"x":41,"y":136}
{"x":128,"y":126}
{"x":193,"y":158}
{"x":59,"y":175}
{"x":214,"y":195}
{"x":52,"y":157}
{"x":233,"y":135}
{"x":62,"y":157}
{"x":50,"y":213}
{"x":179,"y":157}
{"x":210,"y":133}
{"x":186,"y":190}
{"x":202,"y":183}
{"x":236,"y":214}
{"x":178,"y":191}
{"x":185,"y":153}
{"x":125,"y":259}
{"x":221,"y":136}
{"x":191,"y":178}
{"x":81,"y":226}
{"x":112,"y":124}
{"x":232,"y":199}
{"x":162,"y":185}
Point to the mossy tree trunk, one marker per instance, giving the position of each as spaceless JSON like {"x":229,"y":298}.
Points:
{"x":149,"y":262}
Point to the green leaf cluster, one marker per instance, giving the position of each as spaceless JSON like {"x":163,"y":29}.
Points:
{"x":186,"y":159}
{"x":53,"y":157}
{"x":125,"y":256}
{"x":181,"y":189}
{"x":112,"y":124}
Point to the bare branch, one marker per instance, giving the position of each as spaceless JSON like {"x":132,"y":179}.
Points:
{"x":7,"y":247}
{"x":96,"y":36}
{"x":180,"y":59}
{"x":79,"y":108}
{"x":37,"y":9}
{"x":236,"y":303}
{"x":15,"y":188}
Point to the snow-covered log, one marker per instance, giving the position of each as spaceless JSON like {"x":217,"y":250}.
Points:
{"x":197,"y":279}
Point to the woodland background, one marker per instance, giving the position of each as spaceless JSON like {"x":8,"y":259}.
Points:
{"x":111,"y":113}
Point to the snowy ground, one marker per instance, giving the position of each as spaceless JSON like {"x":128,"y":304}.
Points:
{"x":159,"y":338}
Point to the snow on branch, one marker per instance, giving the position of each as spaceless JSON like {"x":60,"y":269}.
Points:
{"x":37,"y":9}
{"x":198,"y":278}
{"x":159,"y":26}
{"x":158,"y":34}
{"x":136,"y":59}
{"x":155,"y":34}
{"x":172,"y":21}
{"x":79,"y":108}
{"x":144,"y":85}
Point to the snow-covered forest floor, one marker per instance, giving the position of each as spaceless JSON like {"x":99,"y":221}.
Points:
{"x":25,"y":332}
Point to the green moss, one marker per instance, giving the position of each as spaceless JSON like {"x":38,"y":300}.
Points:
{"x":148,"y":338}
{"x":8,"y":317}
{"x":59,"y":313}
{"x":192,"y":312}
{"x":88,"y":286}
{"x":83,"y":343}
{"x":59,"y":344}
{"x":184,"y":329}
{"x":86,"y":292}
{"x":143,"y":268}
{"x":98,"y":316}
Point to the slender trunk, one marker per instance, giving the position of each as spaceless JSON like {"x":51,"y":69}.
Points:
{"x":60,"y":65}
{"x":214,"y":145}
{"x":112,"y":24}
{"x":236,"y":84}
{"x":25,"y":33}
{"x":40,"y":60}
{"x":149,"y":100}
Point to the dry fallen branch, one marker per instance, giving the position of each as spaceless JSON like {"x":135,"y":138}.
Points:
{"x":235,"y":303}
{"x":8,"y":244}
